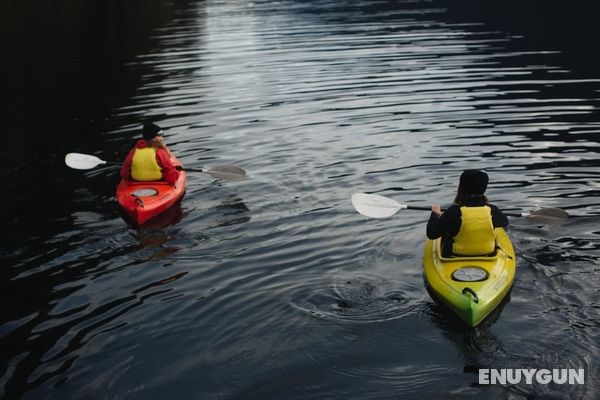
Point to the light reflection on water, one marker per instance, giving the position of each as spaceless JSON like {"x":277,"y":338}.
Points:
{"x":273,"y":287}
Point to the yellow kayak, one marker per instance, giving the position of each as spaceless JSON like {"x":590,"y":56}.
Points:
{"x":472,"y":287}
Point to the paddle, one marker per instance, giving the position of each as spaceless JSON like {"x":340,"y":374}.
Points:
{"x":87,"y":161}
{"x":375,"y":206}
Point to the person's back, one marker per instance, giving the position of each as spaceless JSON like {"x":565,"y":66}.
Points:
{"x":150,"y":159}
{"x":467,"y":227}
{"x":144,"y":166}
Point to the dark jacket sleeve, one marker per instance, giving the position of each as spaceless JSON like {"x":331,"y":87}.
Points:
{"x":499,"y":220}
{"x":434,"y":230}
{"x":448,"y":224}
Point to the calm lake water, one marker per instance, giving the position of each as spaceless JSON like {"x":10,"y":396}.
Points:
{"x":274,"y":287}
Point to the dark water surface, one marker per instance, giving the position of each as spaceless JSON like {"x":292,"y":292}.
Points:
{"x":274,"y":287}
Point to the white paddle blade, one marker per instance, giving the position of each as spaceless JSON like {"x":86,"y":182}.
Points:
{"x":227,"y":172}
{"x":82,"y":161}
{"x":548,"y":216}
{"x":375,"y":206}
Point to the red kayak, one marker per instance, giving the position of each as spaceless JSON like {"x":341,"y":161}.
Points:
{"x":141,"y":201}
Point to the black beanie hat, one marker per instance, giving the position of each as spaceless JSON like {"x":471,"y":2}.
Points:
{"x":150,"y":130}
{"x":473,"y":181}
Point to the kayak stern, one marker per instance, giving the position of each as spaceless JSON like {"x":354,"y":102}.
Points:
{"x":471,"y":300}
{"x":143,"y":201}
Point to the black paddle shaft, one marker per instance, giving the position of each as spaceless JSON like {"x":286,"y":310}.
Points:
{"x":429,"y":209}
{"x":419,"y":208}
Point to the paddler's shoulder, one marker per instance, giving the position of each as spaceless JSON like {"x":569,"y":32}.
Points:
{"x":141,"y":144}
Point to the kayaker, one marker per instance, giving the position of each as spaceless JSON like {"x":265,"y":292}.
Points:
{"x":150,"y":159}
{"x":467,"y":226}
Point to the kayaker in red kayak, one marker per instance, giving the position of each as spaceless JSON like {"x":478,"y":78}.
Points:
{"x":467,"y":227}
{"x":150,"y":159}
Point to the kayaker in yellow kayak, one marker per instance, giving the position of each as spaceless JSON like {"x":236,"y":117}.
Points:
{"x":467,"y":227}
{"x":150,"y":159}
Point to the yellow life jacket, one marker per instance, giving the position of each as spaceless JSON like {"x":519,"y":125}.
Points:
{"x":476,"y":236}
{"x":144,"y":166}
